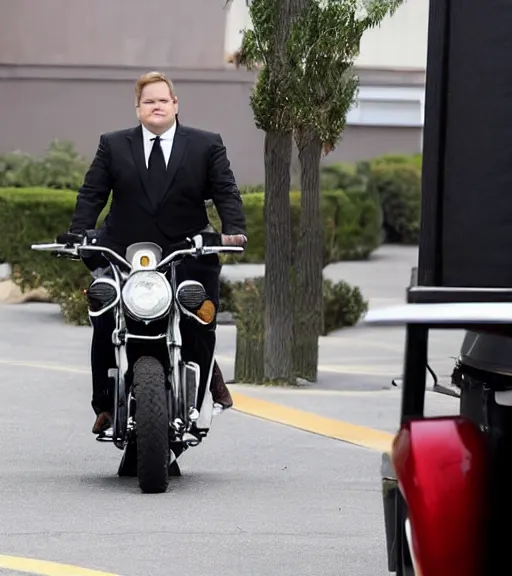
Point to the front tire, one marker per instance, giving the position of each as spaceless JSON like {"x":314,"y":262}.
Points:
{"x":152,"y":425}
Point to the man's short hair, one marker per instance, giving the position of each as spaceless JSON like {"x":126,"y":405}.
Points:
{"x":151,"y":78}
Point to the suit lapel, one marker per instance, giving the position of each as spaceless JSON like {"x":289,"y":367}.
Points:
{"x":178,"y":150}
{"x":137,"y":146}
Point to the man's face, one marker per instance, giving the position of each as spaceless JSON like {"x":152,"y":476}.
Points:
{"x":157,"y":108}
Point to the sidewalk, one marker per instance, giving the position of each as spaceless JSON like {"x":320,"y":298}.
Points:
{"x":360,"y":358}
{"x":357,"y":365}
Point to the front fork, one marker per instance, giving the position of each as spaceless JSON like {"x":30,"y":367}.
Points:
{"x":184,"y":378}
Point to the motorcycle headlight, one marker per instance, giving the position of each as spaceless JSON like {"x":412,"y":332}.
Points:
{"x":147,"y":295}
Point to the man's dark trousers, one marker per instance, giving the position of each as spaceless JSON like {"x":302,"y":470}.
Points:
{"x":198,"y":340}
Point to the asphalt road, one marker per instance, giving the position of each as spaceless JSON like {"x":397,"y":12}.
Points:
{"x":257,"y":498}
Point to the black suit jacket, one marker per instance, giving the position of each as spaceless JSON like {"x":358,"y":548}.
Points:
{"x":198,"y":170}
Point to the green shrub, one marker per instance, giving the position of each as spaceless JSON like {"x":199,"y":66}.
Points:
{"x":399,"y":188}
{"x":60,"y":168}
{"x":252,"y":189}
{"x":415,"y":160}
{"x":73,"y":305}
{"x":227,"y":303}
{"x":399,"y":202}
{"x":33,"y":216}
{"x":339,"y":176}
{"x":364,"y":168}
{"x":30,"y":216}
{"x":344,"y":305}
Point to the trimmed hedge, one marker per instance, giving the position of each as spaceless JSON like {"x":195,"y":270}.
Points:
{"x":352,"y":225}
{"x":61,"y":167}
{"x":31,"y":216}
{"x":35,"y":215}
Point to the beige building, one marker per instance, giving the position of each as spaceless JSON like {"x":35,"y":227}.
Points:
{"x":67,"y":70}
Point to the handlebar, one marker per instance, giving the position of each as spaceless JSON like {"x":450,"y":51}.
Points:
{"x":76,"y":249}
{"x":195,"y":248}
{"x":55,"y":247}
{"x":204,"y":250}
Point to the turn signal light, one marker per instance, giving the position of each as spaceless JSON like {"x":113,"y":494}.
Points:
{"x":206,"y":311}
{"x":144,"y":261}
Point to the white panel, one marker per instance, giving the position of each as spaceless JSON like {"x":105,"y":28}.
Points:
{"x":383,"y":106}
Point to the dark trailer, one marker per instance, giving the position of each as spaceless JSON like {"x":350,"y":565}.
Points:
{"x":463,"y":280}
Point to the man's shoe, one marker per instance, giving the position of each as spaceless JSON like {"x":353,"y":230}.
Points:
{"x":219,"y":390}
{"x":103,"y":422}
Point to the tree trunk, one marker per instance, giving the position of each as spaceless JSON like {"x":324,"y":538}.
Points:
{"x":308,"y":287}
{"x":278,"y":365}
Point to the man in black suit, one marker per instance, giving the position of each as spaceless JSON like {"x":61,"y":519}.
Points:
{"x":160,"y":174}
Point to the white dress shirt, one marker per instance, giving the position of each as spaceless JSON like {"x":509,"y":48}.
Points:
{"x":166,"y":141}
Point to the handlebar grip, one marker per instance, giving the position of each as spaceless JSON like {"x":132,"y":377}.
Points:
{"x":211,"y":239}
{"x":70,"y":238}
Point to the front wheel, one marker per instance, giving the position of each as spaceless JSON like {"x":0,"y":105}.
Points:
{"x":152,"y":425}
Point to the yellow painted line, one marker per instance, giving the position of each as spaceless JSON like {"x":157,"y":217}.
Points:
{"x":287,"y":391}
{"x":41,"y":366}
{"x":44,"y":568}
{"x":307,"y":421}
{"x":351,"y":433}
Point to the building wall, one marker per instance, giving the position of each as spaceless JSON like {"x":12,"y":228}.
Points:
{"x":178,"y":34}
{"x":70,"y":74}
{"x":400,"y":41}
{"x":43,"y":103}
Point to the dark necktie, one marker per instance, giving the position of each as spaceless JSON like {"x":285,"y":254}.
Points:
{"x":157,"y":172}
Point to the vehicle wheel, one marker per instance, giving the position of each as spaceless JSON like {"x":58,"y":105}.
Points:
{"x":152,"y":425}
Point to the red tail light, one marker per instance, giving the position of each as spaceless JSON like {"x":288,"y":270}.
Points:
{"x":441,"y":471}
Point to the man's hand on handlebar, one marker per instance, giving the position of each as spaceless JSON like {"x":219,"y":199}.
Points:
{"x":69,"y":238}
{"x":216,"y":239}
{"x":234,"y":240}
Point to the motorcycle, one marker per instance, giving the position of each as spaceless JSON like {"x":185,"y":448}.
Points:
{"x":159,"y":408}
{"x":446,"y":481}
